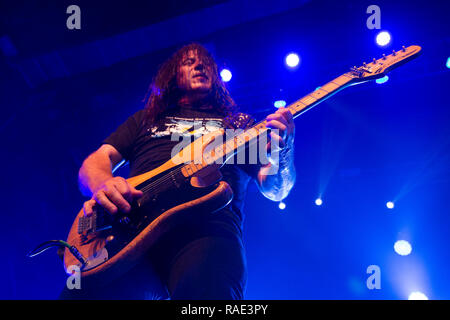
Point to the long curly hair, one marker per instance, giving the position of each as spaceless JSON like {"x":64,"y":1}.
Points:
{"x":163,"y":93}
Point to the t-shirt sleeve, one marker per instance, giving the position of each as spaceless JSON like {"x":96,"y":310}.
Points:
{"x":123,"y":139}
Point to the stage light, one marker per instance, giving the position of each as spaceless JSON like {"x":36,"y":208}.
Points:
{"x":417,"y":295}
{"x":279,"y":104}
{"x":390,"y":205}
{"x":382,"y":80}
{"x":226,"y":75}
{"x":292,"y":60}
{"x":383,"y":38}
{"x":448,"y":62}
{"x":282,"y":205}
{"x":402,"y":247}
{"x":318,"y":202}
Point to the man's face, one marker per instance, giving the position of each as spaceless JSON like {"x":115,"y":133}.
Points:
{"x":194,"y":77}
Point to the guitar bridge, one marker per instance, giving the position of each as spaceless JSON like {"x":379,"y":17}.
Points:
{"x":94,"y":223}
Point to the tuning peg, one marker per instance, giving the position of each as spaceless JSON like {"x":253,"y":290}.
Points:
{"x":364,"y":64}
{"x":374,"y":60}
{"x":384,"y":56}
{"x":403,"y":48}
{"x":393,"y":52}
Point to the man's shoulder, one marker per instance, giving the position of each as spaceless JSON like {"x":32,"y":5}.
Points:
{"x":139,"y":116}
{"x":141,"y":113}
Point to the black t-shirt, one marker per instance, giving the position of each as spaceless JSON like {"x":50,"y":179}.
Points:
{"x":148,"y":145}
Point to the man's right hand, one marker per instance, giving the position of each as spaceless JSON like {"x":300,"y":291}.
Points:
{"x":114,"y":195}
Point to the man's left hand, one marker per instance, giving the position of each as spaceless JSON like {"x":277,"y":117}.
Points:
{"x":283,"y":121}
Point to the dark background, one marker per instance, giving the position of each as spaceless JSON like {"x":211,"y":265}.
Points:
{"x":63,"y":91}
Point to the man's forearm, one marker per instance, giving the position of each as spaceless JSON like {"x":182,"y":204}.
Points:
{"x":96,"y":169}
{"x":276,"y":180}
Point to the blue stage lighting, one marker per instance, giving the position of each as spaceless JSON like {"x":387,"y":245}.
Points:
{"x":402,"y":247}
{"x":382,"y":80}
{"x":417,"y":295}
{"x":383,"y":38}
{"x":226,"y":75}
{"x":448,"y":62}
{"x":292,"y":60}
{"x":279,"y":104}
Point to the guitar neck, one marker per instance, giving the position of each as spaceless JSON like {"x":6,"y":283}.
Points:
{"x":231,"y":146}
{"x":300,"y":106}
{"x":367,"y":72}
{"x":319,"y":95}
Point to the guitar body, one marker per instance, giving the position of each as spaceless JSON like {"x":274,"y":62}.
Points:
{"x":113,"y":244}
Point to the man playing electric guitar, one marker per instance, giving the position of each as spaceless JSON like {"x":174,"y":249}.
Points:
{"x":204,"y":259}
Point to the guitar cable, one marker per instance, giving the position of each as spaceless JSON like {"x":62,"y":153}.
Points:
{"x":44,"y":246}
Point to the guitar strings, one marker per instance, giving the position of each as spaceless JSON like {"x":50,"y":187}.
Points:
{"x":159,"y":181}
{"x":166,"y":178}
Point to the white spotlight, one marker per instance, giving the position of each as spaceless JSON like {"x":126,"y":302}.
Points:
{"x":417,"y":295}
{"x":390,"y":205}
{"x":279,"y":104}
{"x":402,"y":247}
{"x":318,"y":202}
{"x":226,"y":75}
{"x":282,"y":205}
{"x":383,"y":38}
{"x":292,"y":60}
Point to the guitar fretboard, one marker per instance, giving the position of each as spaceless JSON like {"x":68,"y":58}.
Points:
{"x":231,"y":146}
{"x":320,"y":94}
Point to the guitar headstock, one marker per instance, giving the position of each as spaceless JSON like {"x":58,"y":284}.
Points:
{"x":379,"y":68}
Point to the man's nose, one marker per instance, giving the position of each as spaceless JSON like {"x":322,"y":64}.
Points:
{"x":200,"y":65}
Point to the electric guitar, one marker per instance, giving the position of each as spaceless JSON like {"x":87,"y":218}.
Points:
{"x":105,"y":246}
